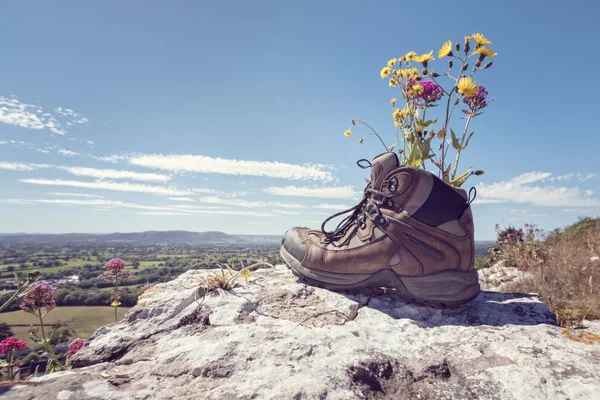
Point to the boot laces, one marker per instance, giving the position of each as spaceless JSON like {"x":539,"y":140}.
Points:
{"x":367,"y":207}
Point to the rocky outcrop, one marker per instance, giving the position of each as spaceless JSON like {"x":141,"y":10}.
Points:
{"x":499,"y":277}
{"x":276,"y":338}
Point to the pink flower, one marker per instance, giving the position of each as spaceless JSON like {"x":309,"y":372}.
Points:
{"x":116,"y":266}
{"x":33,"y":330}
{"x":12,"y":344}
{"x":75,"y":346}
{"x":41,"y":295}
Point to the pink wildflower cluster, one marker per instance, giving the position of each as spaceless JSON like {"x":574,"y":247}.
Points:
{"x":75,"y":346}
{"x":115,"y":269}
{"x":40,"y":295}
{"x":12,"y":344}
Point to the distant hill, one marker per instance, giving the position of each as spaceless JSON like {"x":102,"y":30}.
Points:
{"x":140,"y":238}
{"x":164,"y":237}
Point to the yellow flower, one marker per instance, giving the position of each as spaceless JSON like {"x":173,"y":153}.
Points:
{"x":485,"y":51}
{"x":391,"y":62}
{"x":418,"y":89}
{"x":348,"y":133}
{"x":481,"y":40}
{"x":386,"y":71}
{"x":408,"y":73}
{"x":467,"y":87}
{"x":393,"y":82}
{"x":445,"y":50}
{"x":393,"y":101}
{"x":410,"y":55}
{"x":399,"y":115}
{"x":245,"y":273}
{"x":425,"y":57}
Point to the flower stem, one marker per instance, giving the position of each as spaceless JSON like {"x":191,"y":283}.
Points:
{"x":462,"y":142}
{"x":375,"y":133}
{"x":47,"y":344}
{"x":10,"y":368}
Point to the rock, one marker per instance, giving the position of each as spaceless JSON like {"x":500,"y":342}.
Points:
{"x":276,"y":338}
{"x":498,"y":277}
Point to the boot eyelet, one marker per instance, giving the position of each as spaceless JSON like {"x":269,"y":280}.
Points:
{"x":381,"y":220}
{"x":362,"y":225}
{"x":392,"y":188}
{"x":389,"y":203}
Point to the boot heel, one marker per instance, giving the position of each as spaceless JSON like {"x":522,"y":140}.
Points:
{"x":449,"y":288}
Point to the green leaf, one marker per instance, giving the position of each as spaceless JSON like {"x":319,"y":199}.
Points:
{"x":455,"y":142}
{"x":461,"y":179}
{"x":468,"y":138}
{"x":425,"y":124}
{"x":414,"y":156}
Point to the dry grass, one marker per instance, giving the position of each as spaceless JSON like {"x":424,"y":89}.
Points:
{"x":564,"y":269}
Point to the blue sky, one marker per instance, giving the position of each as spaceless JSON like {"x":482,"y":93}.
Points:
{"x":146,"y":115}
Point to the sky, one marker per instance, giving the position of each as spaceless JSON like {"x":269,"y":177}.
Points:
{"x":229,"y":116}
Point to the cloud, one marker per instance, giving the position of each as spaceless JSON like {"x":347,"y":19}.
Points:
{"x":75,"y":195}
{"x":530,"y":177}
{"x":162,"y":213}
{"x":519,"y":190}
{"x":108,"y":185}
{"x":587,"y":177}
{"x":286,"y":212}
{"x":206,"y":164}
{"x":180,"y":199}
{"x":245,"y":203}
{"x":97,"y":173}
{"x":588,"y":192}
{"x":86,"y":202}
{"x":338,"y":207}
{"x":116,"y":174}
{"x":567,"y":177}
{"x":13,"y":166}
{"x":69,"y":153}
{"x":333,"y":192}
{"x":121,"y":204}
{"x":30,"y":116}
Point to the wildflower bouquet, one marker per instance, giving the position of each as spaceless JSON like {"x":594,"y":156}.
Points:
{"x":422,"y":90}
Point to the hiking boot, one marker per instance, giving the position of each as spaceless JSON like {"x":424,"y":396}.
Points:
{"x":411,"y":232}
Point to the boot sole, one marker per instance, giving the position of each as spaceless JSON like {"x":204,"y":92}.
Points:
{"x":442,"y":289}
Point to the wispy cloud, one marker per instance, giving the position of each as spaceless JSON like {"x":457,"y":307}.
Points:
{"x":68,"y":153}
{"x":206,"y":164}
{"x":520,"y":190}
{"x":333,"y":192}
{"x":245,"y":203}
{"x":97,"y":173}
{"x":15,"y":166}
{"x":30,"y":116}
{"x":163,"y":213}
{"x":180,"y":199}
{"x":116,"y":174}
{"x":567,"y":177}
{"x":339,"y":207}
{"x":108,"y":185}
{"x":91,"y":196}
{"x":179,"y":209}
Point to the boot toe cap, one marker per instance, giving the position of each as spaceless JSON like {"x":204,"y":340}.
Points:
{"x":293,"y":244}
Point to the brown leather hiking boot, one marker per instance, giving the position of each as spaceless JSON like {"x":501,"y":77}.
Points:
{"x":411,"y":232}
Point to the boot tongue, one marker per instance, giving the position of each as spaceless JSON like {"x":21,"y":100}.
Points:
{"x":381,"y":166}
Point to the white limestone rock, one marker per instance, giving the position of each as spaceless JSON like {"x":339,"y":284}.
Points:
{"x":260,"y":342}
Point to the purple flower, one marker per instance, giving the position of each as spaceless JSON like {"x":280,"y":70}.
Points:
{"x":12,"y":344}
{"x":431,"y":92}
{"x":40,"y":295}
{"x":477,"y":102}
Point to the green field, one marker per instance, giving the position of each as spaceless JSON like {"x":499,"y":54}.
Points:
{"x":83,"y":320}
